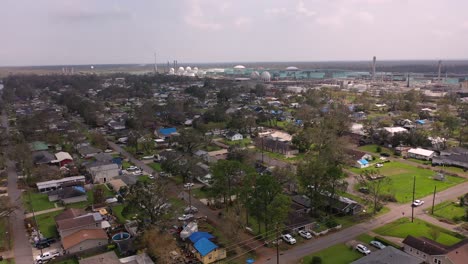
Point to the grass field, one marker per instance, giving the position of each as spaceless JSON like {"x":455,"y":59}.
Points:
{"x":7,"y":261}
{"x":365,"y":238}
{"x":403,"y":227}
{"x":401,"y":185}
{"x":155,"y":166}
{"x":46,"y":224}
{"x":449,"y":210}
{"x":38,"y":201}
{"x":117,"y":212}
{"x":338,"y":254}
{"x":3,"y":229}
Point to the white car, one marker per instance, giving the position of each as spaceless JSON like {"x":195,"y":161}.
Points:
{"x":379,"y":165}
{"x":363,"y":249}
{"x":417,"y":203}
{"x":305,"y":234}
{"x":377,"y":244}
{"x":189,"y":185}
{"x":108,"y":151}
{"x":132,"y":168}
{"x":137,"y":173}
{"x":185,"y":217}
{"x":148,"y":157}
{"x":289,"y":239}
{"x":46,"y":256}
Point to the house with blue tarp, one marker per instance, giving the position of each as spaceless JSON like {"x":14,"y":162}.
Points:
{"x":204,"y":249}
{"x":166,"y":132}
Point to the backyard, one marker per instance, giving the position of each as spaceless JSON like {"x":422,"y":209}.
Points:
{"x":36,"y":201}
{"x":338,"y":254}
{"x":46,"y":223}
{"x":401,"y":185}
{"x":451,"y":211}
{"x":155,"y":166}
{"x":373,"y":149}
{"x":403,"y":227}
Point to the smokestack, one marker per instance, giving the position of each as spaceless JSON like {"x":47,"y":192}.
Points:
{"x":155,"y":64}
{"x":407,"y":80}
{"x":373,"y":68}
{"x":440,"y":69}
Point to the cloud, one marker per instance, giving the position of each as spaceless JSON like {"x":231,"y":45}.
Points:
{"x":302,"y":10}
{"x":242,"y":22}
{"x":276,"y":11}
{"x":333,"y":20}
{"x":197,"y":18}
{"x":442,"y":33}
{"x":76,"y":12}
{"x":365,"y":17}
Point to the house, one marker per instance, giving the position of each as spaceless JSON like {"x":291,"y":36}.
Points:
{"x":42,"y":157}
{"x":70,"y":213}
{"x":432,"y":252}
{"x":388,"y":255}
{"x":110,"y":257}
{"x":116,"y":125}
{"x":452,"y":157}
{"x":395,"y":130}
{"x":421,"y":154}
{"x":83,"y":240}
{"x":337,"y":203}
{"x":116,"y":184}
{"x":234,"y":136}
{"x":104,"y":173}
{"x":358,"y":158}
{"x":63,"y":158}
{"x":103,"y":157}
{"x":166,"y":132}
{"x":52,"y":185}
{"x":69,"y":226}
{"x":88,"y":151}
{"x":68,"y":195}
{"x":275,"y":145}
{"x":216,"y":155}
{"x":205,"y":250}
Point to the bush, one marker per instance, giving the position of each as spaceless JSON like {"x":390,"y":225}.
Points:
{"x":330,"y":223}
{"x":387,"y":197}
{"x":378,"y":149}
{"x":316,"y":260}
{"x":386,"y":242}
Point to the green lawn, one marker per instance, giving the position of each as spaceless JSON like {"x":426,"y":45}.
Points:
{"x":199,"y":193}
{"x":117,"y":212}
{"x":403,"y":227}
{"x":373,"y":149}
{"x":424,"y":162}
{"x":365,"y":238}
{"x":338,"y":254}
{"x":155,"y":166}
{"x":46,"y":224}
{"x":39,"y":201}
{"x":449,"y":210}
{"x":7,"y":261}
{"x":3,"y":229}
{"x":126,"y":164}
{"x":243,"y":143}
{"x":402,"y":174}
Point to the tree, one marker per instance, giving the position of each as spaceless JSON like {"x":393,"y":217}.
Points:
{"x":434,"y":233}
{"x":190,"y":140}
{"x":150,"y":199}
{"x":98,"y":140}
{"x":370,"y":179}
{"x":98,"y":195}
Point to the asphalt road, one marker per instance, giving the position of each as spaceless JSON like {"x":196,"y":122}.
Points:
{"x":397,"y":211}
{"x":21,"y":247}
{"x":130,"y":157}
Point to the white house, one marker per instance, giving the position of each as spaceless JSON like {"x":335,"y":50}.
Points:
{"x":362,"y":163}
{"x":104,"y":173}
{"x":233,"y":136}
{"x":422,"y":154}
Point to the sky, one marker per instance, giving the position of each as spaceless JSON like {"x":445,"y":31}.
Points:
{"x":66,"y":32}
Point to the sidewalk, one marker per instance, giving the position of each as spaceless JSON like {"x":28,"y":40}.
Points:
{"x":44,"y":212}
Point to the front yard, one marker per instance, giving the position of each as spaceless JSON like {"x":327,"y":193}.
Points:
{"x":401,"y":175}
{"x":338,"y":254}
{"x":450,"y":211}
{"x":46,"y":223}
{"x":36,"y":201}
{"x":155,"y":166}
{"x":403,"y":227}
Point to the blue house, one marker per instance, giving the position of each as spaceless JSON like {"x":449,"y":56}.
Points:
{"x":205,"y":250}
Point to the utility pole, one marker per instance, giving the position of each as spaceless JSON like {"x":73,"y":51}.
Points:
{"x":35,"y":220}
{"x":433,"y":199}
{"x":412,"y":206}
{"x":277,"y":244}
{"x":262,"y":150}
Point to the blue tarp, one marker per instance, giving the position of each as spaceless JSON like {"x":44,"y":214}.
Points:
{"x":204,"y":246}
{"x":421,"y":122}
{"x":363,"y":162}
{"x":167,"y":131}
{"x":194,"y":237}
{"x":79,"y":188}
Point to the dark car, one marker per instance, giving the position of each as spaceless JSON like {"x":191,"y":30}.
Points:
{"x":384,"y":154}
{"x":364,"y":190}
{"x":42,"y":244}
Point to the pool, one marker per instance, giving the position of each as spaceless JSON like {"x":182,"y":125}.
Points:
{"x":121,"y":236}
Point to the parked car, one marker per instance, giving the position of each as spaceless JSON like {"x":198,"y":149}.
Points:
{"x":363,"y":249}
{"x":384,"y":154}
{"x":377,"y":244}
{"x":417,"y":203}
{"x":108,"y":151}
{"x":185,"y":217}
{"x":189,"y":185}
{"x":289,"y":239}
{"x":42,"y":244}
{"x":132,"y":168}
{"x":137,"y":173}
{"x":148,"y":157}
{"x":164,"y":174}
{"x":46,"y":256}
{"x":305,"y":234}
{"x":364,"y":190}
{"x":190,"y":210}
{"x":379,"y":165}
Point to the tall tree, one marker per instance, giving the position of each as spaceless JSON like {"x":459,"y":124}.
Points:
{"x":375,"y":184}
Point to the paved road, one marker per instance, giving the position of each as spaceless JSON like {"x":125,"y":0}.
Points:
{"x":397,"y":211}
{"x":130,"y":157}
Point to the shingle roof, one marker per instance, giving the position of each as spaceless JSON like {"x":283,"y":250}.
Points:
{"x":388,"y":255}
{"x":70,"y":213}
{"x":82,"y":235}
{"x":204,"y":246}
{"x":75,"y":222}
{"x":425,"y":245}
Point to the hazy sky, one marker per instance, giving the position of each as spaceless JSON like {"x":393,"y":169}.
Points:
{"x":38,"y":32}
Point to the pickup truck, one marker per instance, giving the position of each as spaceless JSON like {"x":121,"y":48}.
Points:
{"x":46,"y":256}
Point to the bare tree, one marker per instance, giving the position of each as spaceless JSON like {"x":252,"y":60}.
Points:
{"x":375,"y":184}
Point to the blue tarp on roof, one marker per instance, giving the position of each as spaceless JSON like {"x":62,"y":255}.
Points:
{"x":167,"y":131}
{"x":204,"y":246}
{"x":79,"y":188}
{"x":363,"y":162}
{"x":117,"y":161}
{"x":421,"y":122}
{"x":194,"y":237}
